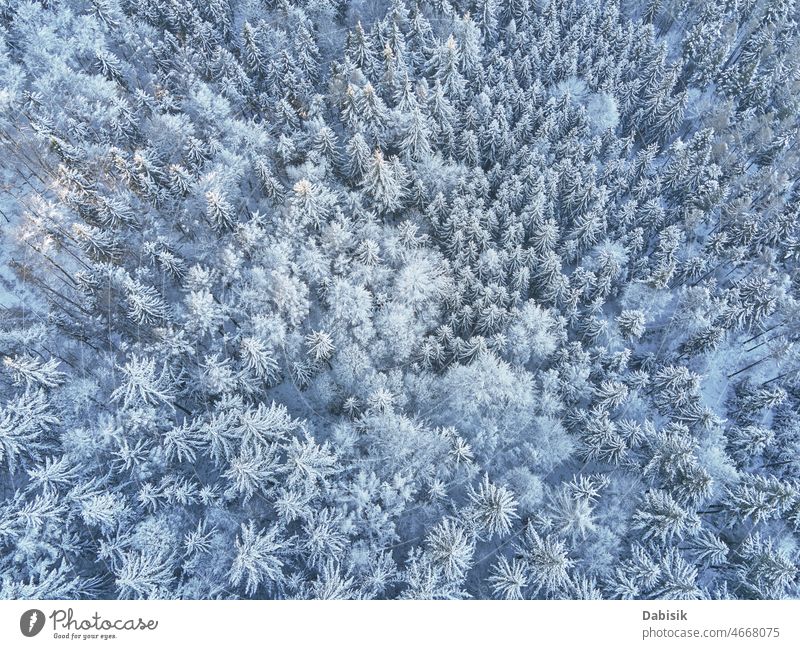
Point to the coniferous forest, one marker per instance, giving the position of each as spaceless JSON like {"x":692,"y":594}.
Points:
{"x":400,"y":299}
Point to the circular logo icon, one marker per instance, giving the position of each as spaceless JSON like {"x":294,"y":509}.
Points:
{"x":31,"y":622}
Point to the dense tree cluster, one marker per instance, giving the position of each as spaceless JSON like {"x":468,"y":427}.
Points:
{"x":406,"y":299}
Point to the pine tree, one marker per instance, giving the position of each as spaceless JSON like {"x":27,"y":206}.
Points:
{"x":257,"y":561}
{"x":383,"y":182}
{"x":663,"y":518}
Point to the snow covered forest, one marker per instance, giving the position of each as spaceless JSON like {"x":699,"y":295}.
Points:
{"x":400,"y":299}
